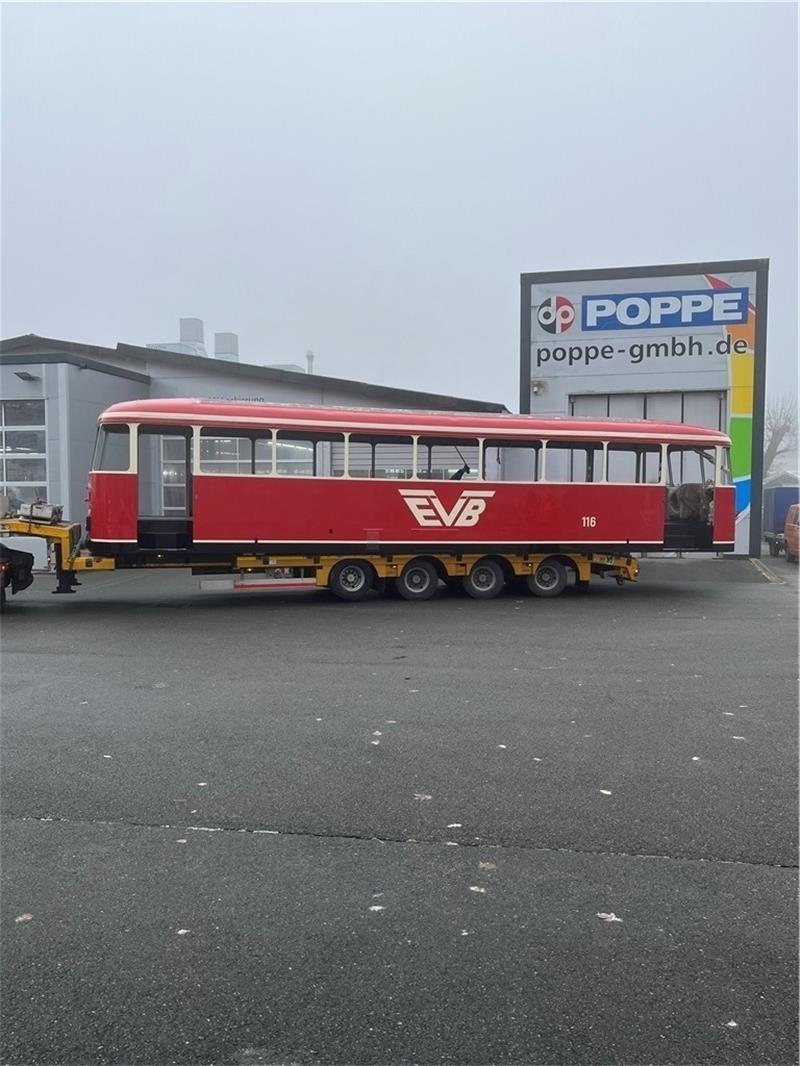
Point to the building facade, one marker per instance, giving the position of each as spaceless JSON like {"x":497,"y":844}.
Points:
{"x":52,"y":391}
{"x":681,"y":343}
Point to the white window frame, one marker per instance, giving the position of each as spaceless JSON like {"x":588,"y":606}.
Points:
{"x":4,"y":455}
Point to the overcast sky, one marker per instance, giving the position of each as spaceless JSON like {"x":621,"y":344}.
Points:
{"x":370,"y":181}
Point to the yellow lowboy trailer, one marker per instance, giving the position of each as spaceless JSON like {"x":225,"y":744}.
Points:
{"x":69,"y":560}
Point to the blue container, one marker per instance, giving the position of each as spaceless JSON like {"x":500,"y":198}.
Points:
{"x":777,"y":502}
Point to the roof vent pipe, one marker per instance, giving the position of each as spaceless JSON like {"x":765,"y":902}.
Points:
{"x":226,"y":346}
{"x":191,"y":330}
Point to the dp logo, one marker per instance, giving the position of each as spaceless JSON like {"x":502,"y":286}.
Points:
{"x":556,"y":314}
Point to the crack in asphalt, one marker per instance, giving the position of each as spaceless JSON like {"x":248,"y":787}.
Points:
{"x":371,"y":838}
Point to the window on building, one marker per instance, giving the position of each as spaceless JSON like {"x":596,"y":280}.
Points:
{"x":573,"y":461}
{"x":23,"y":412}
{"x":512,"y":460}
{"x":447,"y":459}
{"x":634,"y":464}
{"x":23,"y":451}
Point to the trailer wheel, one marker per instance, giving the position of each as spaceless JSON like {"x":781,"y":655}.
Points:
{"x":485,"y":580}
{"x":550,"y":579}
{"x":418,"y":580}
{"x":351,"y":579}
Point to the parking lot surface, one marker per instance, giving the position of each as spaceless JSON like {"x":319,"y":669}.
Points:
{"x":273,"y":828}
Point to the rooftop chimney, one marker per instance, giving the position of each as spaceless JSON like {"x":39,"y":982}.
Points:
{"x":191,"y":331}
{"x":226,"y":346}
{"x":191,"y":341}
{"x":310,"y":362}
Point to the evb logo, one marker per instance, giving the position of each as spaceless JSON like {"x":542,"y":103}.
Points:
{"x":556,"y":314}
{"x":428,"y":509}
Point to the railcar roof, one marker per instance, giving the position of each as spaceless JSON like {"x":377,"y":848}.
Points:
{"x":446,"y":423}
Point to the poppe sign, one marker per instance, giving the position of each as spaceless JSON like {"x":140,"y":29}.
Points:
{"x":644,"y":310}
{"x":688,"y":329}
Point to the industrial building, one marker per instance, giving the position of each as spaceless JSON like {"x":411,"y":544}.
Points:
{"x":682,"y":342}
{"x":53,"y":390}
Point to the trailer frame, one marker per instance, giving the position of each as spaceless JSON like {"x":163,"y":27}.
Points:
{"x":70,"y":560}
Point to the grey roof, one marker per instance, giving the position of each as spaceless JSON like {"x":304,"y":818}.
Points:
{"x":30,"y":345}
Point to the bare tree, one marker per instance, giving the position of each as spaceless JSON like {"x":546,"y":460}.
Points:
{"x":780,"y":431}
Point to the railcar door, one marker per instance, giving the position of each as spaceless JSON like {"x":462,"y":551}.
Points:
{"x":112,"y":509}
{"x":689,"y":524}
{"x":164,"y":488}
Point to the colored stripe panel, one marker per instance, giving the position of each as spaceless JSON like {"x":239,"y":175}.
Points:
{"x":742,"y":494}
{"x":741,"y":434}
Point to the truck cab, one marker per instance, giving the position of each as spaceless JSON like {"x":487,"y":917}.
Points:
{"x":791,"y":533}
{"x":778,"y":501}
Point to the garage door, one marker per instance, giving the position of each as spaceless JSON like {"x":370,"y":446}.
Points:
{"x":695,"y":408}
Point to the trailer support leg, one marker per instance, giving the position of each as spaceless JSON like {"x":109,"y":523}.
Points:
{"x":66,"y":578}
{"x":65,"y":583}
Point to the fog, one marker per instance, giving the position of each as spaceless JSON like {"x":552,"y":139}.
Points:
{"x":370,"y":181}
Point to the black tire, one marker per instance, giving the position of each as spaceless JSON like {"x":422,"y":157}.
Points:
{"x":485,"y":580}
{"x":418,"y":580}
{"x":790,"y":557}
{"x":549,"y":580}
{"x":2,"y":593}
{"x":351,"y":580}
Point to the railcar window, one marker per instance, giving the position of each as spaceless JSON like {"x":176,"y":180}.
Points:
{"x":222,"y":453}
{"x":113,"y":449}
{"x":394,"y":458}
{"x":574,"y":461}
{"x":447,"y":459}
{"x":306,"y":454}
{"x":512,"y":460}
{"x":689,"y":466}
{"x":296,"y":456}
{"x":634,"y":464}
{"x":381,"y":457}
{"x":359,"y":454}
{"x":263,"y":450}
{"x":725,"y":474}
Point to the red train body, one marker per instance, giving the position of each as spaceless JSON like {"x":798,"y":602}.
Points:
{"x":198,"y":478}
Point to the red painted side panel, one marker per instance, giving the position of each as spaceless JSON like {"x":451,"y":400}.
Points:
{"x":113,"y":506}
{"x":725,"y":515}
{"x":306,"y":510}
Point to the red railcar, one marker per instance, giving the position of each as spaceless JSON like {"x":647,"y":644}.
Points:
{"x":192,"y":480}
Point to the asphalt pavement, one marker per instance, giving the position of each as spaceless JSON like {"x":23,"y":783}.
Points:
{"x":273,"y":828}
